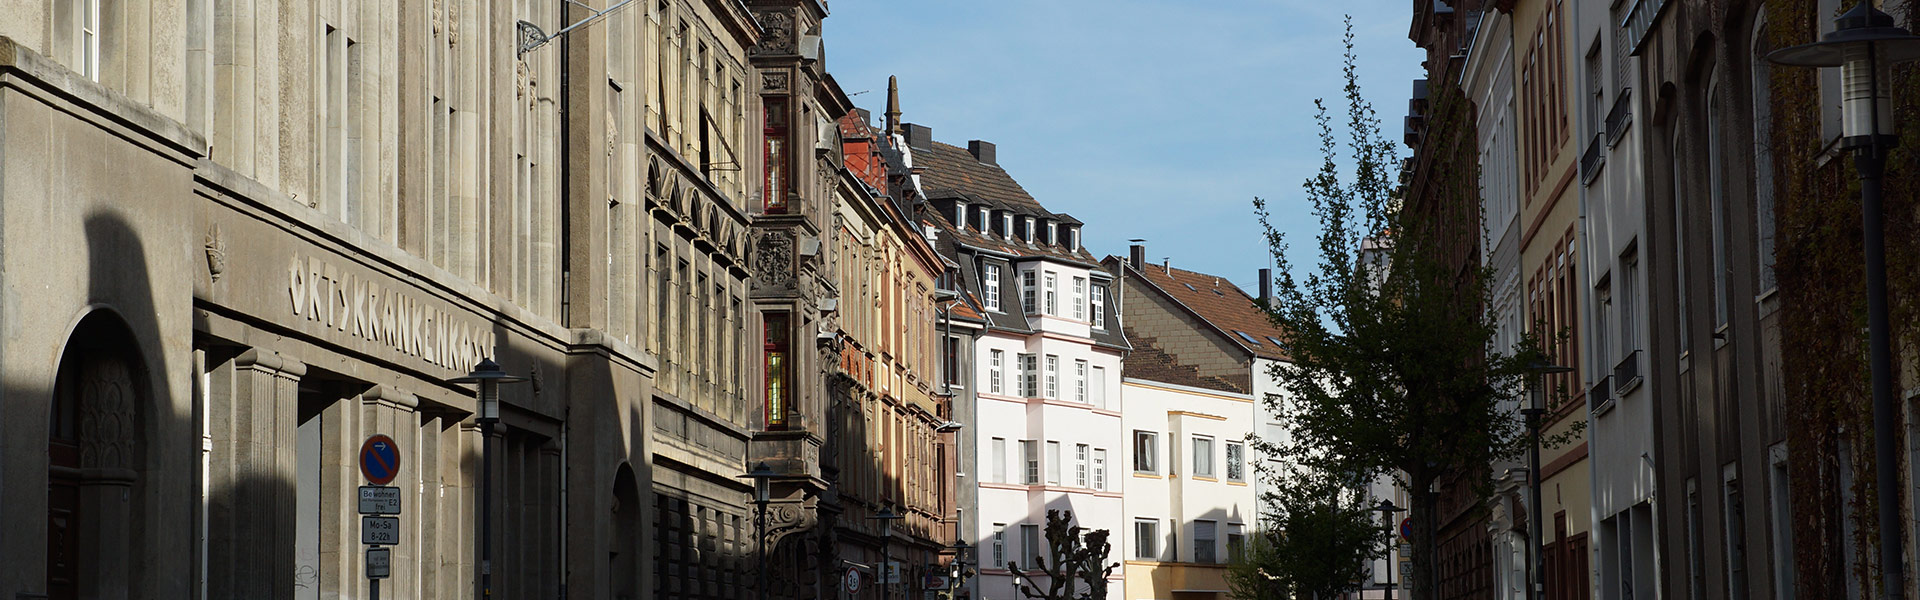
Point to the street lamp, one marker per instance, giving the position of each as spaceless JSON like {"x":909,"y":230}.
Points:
{"x":1386,"y":510}
{"x":762,"y":477}
{"x":886,"y":516}
{"x":487,"y":412}
{"x":1865,"y":44}
{"x":957,"y":571}
{"x":1534,"y":412}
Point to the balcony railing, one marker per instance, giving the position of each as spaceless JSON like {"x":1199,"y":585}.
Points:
{"x":1600,"y":395}
{"x":1593,"y":158}
{"x":1626,"y":375}
{"x":1620,"y":116}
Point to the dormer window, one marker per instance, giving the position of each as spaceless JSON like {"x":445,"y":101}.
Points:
{"x":960,"y":215}
{"x":1073,"y":238}
{"x":984,"y":213}
{"x":1006,"y":227}
{"x":1026,"y":234}
{"x":1053,"y":234}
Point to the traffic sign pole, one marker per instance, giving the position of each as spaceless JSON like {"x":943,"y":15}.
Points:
{"x":379,"y":507}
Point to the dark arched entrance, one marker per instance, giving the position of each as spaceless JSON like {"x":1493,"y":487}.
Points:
{"x":95,"y":453}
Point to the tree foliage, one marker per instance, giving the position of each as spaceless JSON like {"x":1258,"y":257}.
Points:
{"x":1073,"y":568}
{"x":1314,"y":543}
{"x":1393,"y":368}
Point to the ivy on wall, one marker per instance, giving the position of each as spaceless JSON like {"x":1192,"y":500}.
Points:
{"x":1829,"y":415}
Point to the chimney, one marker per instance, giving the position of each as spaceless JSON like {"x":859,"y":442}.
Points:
{"x":982,"y":151}
{"x":1266,"y":286}
{"x":919,"y":137}
{"x":1137,"y":256}
{"x":1166,"y":262}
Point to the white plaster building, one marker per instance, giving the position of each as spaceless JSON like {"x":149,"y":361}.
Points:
{"x":1046,"y":368}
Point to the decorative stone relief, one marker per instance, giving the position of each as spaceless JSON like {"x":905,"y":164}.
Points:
{"x":453,"y":23}
{"x":774,"y":259}
{"x":107,"y":425}
{"x":613,"y":133}
{"x":216,"y":247}
{"x":779,"y":38}
{"x":774,"y":81}
{"x":788,"y":517}
{"x":436,"y":18}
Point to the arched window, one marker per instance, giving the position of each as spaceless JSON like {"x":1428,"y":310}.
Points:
{"x":1763,"y":157}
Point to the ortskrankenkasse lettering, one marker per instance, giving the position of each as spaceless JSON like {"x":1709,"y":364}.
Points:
{"x":349,"y":303}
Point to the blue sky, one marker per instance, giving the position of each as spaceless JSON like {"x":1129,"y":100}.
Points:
{"x":1153,"y":119}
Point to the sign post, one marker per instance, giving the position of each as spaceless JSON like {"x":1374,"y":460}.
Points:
{"x":379,"y":507}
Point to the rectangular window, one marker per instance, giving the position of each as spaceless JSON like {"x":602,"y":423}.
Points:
{"x":1236,"y":542}
{"x":953,"y":363}
{"x":1053,"y":377}
{"x":1716,"y":212}
{"x":1098,"y":388}
{"x":1030,"y":375}
{"x":1236,"y":461}
{"x":1080,"y":452}
{"x":1733,"y":531}
{"x":663,"y":302}
{"x":90,"y":39}
{"x":1053,"y":305}
{"x":1000,"y":544}
{"x":776,"y":348}
{"x":1099,"y":307}
{"x":1144,"y":452}
{"x":1028,"y":285}
{"x":1080,"y":381}
{"x":1782,"y":519}
{"x":995,"y":370}
{"x":775,"y":155}
{"x":999,"y":467}
{"x":1146,"y":538}
{"x":990,"y":286}
{"x":1100,"y":468}
{"x":1202,"y":456}
{"x":1053,"y":462}
{"x":1030,"y":541}
{"x":1204,"y":540}
{"x":1030,"y":456}
{"x":1080,"y":298}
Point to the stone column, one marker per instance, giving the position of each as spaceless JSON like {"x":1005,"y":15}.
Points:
{"x":252,"y":414}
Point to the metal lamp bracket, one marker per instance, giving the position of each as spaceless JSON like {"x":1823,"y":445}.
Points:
{"x":531,"y":36}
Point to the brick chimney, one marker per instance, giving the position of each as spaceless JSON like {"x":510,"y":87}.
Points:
{"x":919,"y":137}
{"x":1137,"y":256}
{"x":982,"y":151}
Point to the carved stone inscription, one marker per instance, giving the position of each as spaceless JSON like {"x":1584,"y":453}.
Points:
{"x":345,"y":301}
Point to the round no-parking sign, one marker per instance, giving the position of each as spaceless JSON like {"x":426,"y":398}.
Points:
{"x":852,"y":580}
{"x":379,"y":459}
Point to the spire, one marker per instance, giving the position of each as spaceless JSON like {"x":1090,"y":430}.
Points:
{"x":893,"y":105}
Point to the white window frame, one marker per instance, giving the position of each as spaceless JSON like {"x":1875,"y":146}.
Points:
{"x":1031,"y":543}
{"x":1203,"y":457}
{"x":1000,"y":545}
{"x":1099,"y":307}
{"x":1080,"y":298}
{"x":1029,"y":375}
{"x":1080,"y":381}
{"x":1053,"y":462}
{"x":1098,"y":389}
{"x":1030,"y":459}
{"x":1210,"y":543}
{"x":1052,"y":296}
{"x":1146,"y":539}
{"x":1053,"y":377}
{"x":996,"y":369}
{"x":1152,"y":449}
{"x":1100,"y":469}
{"x":990,"y":286}
{"x":1236,"y":461}
{"x":1029,"y":290}
{"x":1080,"y":457}
{"x":998,"y":471}
{"x":89,"y":41}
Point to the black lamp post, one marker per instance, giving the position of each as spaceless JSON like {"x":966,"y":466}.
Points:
{"x":1864,"y":44}
{"x":886,"y":516}
{"x":958,"y":571}
{"x":487,"y":412}
{"x":1386,"y":510}
{"x":1536,"y":410}
{"x":762,"y":477}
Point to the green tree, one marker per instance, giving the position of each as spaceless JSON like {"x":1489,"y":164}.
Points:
{"x":1393,"y":369}
{"x":1314,"y":542}
{"x":1073,"y":568}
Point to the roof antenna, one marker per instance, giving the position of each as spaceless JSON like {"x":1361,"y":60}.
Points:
{"x":893,"y":106}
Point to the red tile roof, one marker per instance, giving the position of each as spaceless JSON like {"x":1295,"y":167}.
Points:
{"x":1218,"y":302}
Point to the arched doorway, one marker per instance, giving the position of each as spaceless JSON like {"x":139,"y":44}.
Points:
{"x":95,"y":453}
{"x":623,"y":560}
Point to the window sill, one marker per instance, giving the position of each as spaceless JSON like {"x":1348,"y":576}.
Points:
{"x":1146,"y":475}
{"x":1201,"y":478}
